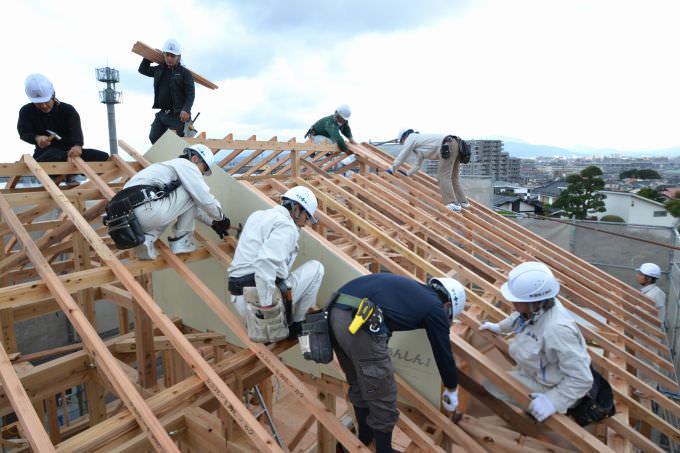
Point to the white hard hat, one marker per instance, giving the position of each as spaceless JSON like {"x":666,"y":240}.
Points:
{"x":172,"y":46}
{"x":456,"y":293}
{"x":344,"y":111}
{"x":650,"y":270}
{"x":38,"y":88}
{"x":530,"y":282}
{"x":205,"y":153}
{"x":305,"y":198}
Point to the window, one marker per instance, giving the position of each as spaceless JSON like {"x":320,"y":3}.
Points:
{"x":660,"y":213}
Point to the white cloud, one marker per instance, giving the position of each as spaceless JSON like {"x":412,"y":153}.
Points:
{"x":602,"y":74}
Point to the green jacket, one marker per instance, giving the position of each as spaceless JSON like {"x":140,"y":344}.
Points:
{"x":328,"y":127}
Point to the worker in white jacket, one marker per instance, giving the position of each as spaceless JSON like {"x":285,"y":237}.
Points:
{"x":548,"y":348}
{"x":429,"y":146}
{"x":647,"y":275}
{"x":175,"y":189}
{"x":263,"y":259}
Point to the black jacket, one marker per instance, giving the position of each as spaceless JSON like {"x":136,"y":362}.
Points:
{"x":408,"y":305}
{"x":182,"y":88}
{"x":62,"y":119}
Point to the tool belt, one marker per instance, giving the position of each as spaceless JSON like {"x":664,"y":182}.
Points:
{"x":464,"y":148}
{"x":597,"y":404}
{"x":122,"y":223}
{"x":315,"y":340}
{"x":365,"y":313}
{"x":265,"y":324}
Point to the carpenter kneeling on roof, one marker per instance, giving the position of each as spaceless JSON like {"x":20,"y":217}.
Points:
{"x":549,"y":350}
{"x":160,"y":194}
{"x":270,"y":298}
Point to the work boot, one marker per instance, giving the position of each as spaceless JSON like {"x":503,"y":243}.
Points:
{"x":365,"y":432}
{"x":294,"y":330}
{"x":465,"y":205}
{"x":455,"y":207}
{"x":147,"y":250}
{"x":182,"y":244}
{"x":383,"y":442}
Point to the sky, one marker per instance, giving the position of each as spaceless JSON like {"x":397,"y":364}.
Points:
{"x":574,"y":74}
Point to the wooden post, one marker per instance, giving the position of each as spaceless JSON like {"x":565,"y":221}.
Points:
{"x":324,"y":437}
{"x":146,"y":357}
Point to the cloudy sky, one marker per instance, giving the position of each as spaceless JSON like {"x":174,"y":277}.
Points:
{"x":576,"y":73}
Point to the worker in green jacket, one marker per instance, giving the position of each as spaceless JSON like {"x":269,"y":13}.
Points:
{"x":332,"y":128}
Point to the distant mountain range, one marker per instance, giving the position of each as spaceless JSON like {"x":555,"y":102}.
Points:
{"x":526,"y":150}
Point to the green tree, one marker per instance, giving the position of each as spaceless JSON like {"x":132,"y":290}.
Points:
{"x":673,"y":205}
{"x":650,"y":193}
{"x":632,"y":173}
{"x":580,"y":197}
{"x":648,"y":174}
{"x":612,"y":218}
{"x":639,"y":174}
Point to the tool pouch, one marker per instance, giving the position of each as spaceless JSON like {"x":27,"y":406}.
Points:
{"x":597,"y":404}
{"x":265,"y":324}
{"x":315,"y":341}
{"x":126,"y":231}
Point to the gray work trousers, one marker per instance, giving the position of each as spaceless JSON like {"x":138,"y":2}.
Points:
{"x":367,"y":366}
{"x":449,"y":177}
{"x":154,"y":217}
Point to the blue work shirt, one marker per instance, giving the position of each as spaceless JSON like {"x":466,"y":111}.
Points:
{"x":409,"y":305}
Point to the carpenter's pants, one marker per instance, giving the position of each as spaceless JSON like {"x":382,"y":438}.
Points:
{"x":54,"y":154}
{"x":305,"y":282}
{"x":155,"y":216}
{"x":163,"y":121}
{"x":449,"y":177}
{"x":367,"y":366}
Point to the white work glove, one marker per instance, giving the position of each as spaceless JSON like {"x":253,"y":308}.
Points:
{"x":450,"y":399}
{"x":490,"y":326}
{"x":541,"y":407}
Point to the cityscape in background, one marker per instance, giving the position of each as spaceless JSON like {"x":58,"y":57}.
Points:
{"x":531,"y":185}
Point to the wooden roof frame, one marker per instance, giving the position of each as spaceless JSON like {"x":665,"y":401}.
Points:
{"x":378,"y":221}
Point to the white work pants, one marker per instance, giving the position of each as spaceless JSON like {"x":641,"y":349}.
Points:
{"x":155,"y":216}
{"x":305,"y":282}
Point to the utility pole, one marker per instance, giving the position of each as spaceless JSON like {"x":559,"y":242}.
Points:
{"x":110,"y":97}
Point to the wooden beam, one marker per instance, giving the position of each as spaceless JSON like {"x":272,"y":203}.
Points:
{"x":255,"y":432}
{"x":156,"y":56}
{"x":32,"y":426}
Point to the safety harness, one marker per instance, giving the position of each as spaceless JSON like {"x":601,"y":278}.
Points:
{"x":122,"y":223}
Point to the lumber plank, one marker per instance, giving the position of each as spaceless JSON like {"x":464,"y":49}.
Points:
{"x":98,"y":351}
{"x":32,"y":426}
{"x":156,"y":56}
{"x":255,"y":432}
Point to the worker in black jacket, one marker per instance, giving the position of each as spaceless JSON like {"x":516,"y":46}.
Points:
{"x":51,"y":125}
{"x":400,"y":304}
{"x":174,"y":91}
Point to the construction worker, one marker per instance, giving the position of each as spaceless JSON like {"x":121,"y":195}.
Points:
{"x":331,"y":128}
{"x":434,"y":147}
{"x":174,"y":91}
{"x":260,"y":272}
{"x":548,"y":348}
{"x":51,"y":125}
{"x":647,"y":275}
{"x":173,"y":191}
{"x":398,"y":304}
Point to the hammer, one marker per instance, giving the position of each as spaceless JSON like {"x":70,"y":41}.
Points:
{"x":53,"y":135}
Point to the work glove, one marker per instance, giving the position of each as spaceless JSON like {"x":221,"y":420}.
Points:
{"x":490,"y":326}
{"x":221,"y":227}
{"x":389,"y":171}
{"x":450,"y":399}
{"x":541,"y":407}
